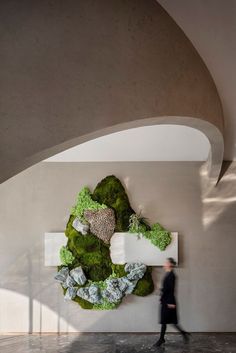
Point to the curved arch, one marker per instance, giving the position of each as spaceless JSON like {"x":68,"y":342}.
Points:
{"x":92,"y":66}
{"x":160,"y":143}
{"x":215,"y":157}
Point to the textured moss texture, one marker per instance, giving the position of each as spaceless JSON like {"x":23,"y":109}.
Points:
{"x":145,"y":285}
{"x":156,"y":234}
{"x":92,"y":253}
{"x":111,"y":192}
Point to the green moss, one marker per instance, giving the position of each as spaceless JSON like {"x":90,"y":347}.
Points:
{"x":85,"y":202}
{"x":145,"y":285}
{"x":118,"y":270}
{"x":70,"y":230}
{"x":91,"y":258}
{"x":158,"y":236}
{"x":138,"y":224}
{"x":90,"y":252}
{"x":106,"y":305}
{"x":83,"y":303}
{"x":111,"y":192}
{"x":66,"y":256}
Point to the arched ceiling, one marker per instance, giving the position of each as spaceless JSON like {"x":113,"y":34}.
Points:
{"x":211,"y":27}
{"x":74,"y":70}
{"x":147,"y":143}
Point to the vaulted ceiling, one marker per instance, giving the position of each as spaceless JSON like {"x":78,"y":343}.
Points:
{"x":211,"y":26}
{"x":74,"y":70}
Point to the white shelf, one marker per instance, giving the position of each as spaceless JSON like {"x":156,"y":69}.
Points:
{"x":52,"y":244}
{"x":125,"y":247}
{"x":130,"y":247}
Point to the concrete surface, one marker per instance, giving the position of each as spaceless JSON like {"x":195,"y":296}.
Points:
{"x":39,"y":200}
{"x":116,"y":343}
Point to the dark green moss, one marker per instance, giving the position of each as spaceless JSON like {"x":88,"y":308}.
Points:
{"x":83,"y":303}
{"x":89,"y":252}
{"x":119,"y":270}
{"x":145,"y":285}
{"x":70,"y":231}
{"x":111,"y":192}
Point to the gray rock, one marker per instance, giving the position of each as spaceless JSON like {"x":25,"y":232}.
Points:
{"x":115,"y":289}
{"x":112,"y":296}
{"x":90,"y":293}
{"x":135,"y":270}
{"x":70,"y":282}
{"x":80,"y":227}
{"x":78,"y":275}
{"x":83,"y":293}
{"x":94,"y":294}
{"x":70,"y":293}
{"x":127,"y":286}
{"x":62,"y":275}
{"x":113,"y":292}
{"x":102,"y":223}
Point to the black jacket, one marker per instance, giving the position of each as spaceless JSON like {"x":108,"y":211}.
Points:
{"x":168,"y":316}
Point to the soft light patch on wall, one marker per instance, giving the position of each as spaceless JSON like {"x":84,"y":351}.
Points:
{"x":148,"y":143}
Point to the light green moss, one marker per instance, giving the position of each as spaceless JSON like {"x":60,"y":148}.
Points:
{"x":66,"y":256}
{"x":157,"y":235}
{"x":85,"y":202}
{"x":118,"y":270}
{"x":106,"y":305}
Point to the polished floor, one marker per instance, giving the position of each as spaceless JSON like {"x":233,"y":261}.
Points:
{"x":116,"y":343}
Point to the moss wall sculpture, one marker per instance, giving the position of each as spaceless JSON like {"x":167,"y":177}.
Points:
{"x":87,"y":274}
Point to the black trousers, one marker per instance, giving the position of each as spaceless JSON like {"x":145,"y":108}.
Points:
{"x":178,"y":328}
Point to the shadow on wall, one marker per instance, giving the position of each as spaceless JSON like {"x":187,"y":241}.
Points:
{"x":37,"y":304}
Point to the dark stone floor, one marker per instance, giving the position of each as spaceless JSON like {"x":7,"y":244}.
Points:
{"x":116,"y":343}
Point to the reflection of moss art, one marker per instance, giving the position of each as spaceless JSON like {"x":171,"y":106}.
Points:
{"x":157,"y":235}
{"x":87,"y":274}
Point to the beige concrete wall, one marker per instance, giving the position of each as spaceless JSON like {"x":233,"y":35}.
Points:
{"x":73,"y":68}
{"x":39,"y":200}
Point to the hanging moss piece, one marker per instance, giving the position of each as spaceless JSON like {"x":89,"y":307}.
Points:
{"x":92,"y":253}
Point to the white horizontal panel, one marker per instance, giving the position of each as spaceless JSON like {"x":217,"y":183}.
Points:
{"x":52,"y":244}
{"x":129,"y":247}
{"x":125,"y":247}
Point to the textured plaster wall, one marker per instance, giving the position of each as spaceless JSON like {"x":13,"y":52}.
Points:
{"x":39,"y":200}
{"x":73,"y":68}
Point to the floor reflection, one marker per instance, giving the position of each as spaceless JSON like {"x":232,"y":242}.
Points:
{"x":116,"y":343}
